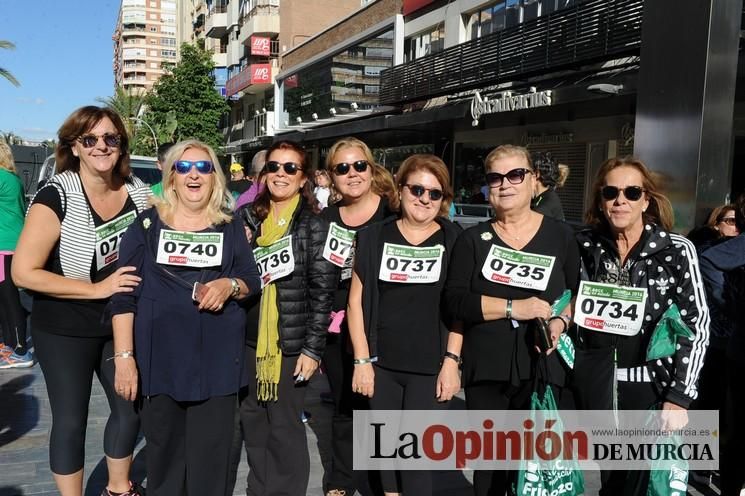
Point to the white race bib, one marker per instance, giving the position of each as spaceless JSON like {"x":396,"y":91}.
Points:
{"x":189,"y":249}
{"x":338,"y":245}
{"x":108,"y":238}
{"x":517,"y":268}
{"x":610,"y":308}
{"x":411,"y":264}
{"x":276,"y":260}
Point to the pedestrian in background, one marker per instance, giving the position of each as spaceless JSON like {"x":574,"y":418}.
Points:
{"x":67,"y":255}
{"x":549,"y":178}
{"x":157,"y":188}
{"x":257,"y":178}
{"x":322,"y":191}
{"x":720,"y":225}
{"x":14,"y":351}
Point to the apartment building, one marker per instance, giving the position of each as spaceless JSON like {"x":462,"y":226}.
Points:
{"x":191,"y":28}
{"x":145,"y":42}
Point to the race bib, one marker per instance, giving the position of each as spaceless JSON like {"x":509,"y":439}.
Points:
{"x":108,"y":237}
{"x":189,"y":249}
{"x":338,"y":245}
{"x":610,"y":308}
{"x":517,"y":268}
{"x":276,"y":260}
{"x":411,"y":264}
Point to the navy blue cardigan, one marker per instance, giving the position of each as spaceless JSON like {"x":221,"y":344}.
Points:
{"x":180,"y":351}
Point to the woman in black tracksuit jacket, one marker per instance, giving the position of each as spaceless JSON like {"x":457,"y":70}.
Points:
{"x":274,"y":434}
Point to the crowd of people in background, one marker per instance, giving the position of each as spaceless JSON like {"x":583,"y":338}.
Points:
{"x":205,"y":303}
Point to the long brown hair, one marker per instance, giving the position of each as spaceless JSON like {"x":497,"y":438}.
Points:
{"x":260,"y":208}
{"x":436,"y":167}
{"x":80,"y":122}
{"x":659,"y":211}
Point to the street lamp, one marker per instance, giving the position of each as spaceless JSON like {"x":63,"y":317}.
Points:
{"x":155,"y":139}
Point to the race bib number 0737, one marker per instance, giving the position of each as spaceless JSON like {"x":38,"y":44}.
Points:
{"x":411,"y":264}
{"x":189,"y":249}
{"x":610,"y":308}
{"x":517,"y":268}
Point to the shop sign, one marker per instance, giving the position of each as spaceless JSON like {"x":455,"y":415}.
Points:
{"x":252,"y":74}
{"x":508,"y":102}
{"x":547,"y":139}
{"x":261,"y":73}
{"x":260,"y":45}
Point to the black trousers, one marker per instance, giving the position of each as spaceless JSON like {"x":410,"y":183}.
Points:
{"x":339,"y":368}
{"x":274,"y":434}
{"x":12,"y":314}
{"x":396,"y":390}
{"x":496,"y":395}
{"x":68,"y":364}
{"x":732,"y":465}
{"x":188,"y":445}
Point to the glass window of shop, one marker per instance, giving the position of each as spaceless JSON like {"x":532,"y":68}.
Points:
{"x":507,"y":13}
{"x":430,"y":41}
{"x":352,"y":76}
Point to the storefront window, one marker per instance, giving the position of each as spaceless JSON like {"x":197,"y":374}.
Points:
{"x":507,"y":13}
{"x":431,"y":41}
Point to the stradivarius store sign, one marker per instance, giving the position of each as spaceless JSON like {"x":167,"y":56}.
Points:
{"x":508,"y":102}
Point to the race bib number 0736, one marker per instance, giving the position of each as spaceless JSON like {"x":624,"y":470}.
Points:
{"x":189,"y":249}
{"x":276,"y":260}
{"x":411,"y":264}
{"x":517,"y":268}
{"x":610,"y":308}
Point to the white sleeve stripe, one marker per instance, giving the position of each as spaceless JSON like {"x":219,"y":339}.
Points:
{"x":701,"y":339}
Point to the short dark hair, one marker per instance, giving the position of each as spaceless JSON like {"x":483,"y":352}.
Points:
{"x":740,"y":212}
{"x":547,"y":168}
{"x":163,"y":150}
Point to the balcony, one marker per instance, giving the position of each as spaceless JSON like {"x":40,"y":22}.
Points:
{"x":589,"y":32}
{"x":256,"y":77}
{"x":263,"y":19}
{"x":220,"y":55}
{"x":216,"y":24}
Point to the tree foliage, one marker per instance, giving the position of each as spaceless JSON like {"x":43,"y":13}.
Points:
{"x":187,"y":92}
{"x":127,"y":104}
{"x":5,"y":73}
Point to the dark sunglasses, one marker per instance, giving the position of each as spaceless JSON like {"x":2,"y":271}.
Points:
{"x":290,"y":168}
{"x":343,"y":168}
{"x":730,"y":221}
{"x":632,"y":193}
{"x":91,"y":140}
{"x":515,"y":176}
{"x":418,"y":191}
{"x":184,"y":166}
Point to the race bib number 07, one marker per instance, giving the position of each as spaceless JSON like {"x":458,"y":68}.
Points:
{"x":108,"y":238}
{"x":610,"y":308}
{"x":276,"y":260}
{"x":517,"y":268}
{"x":338,"y":245}
{"x":189,"y":249}
{"x":411,"y":264}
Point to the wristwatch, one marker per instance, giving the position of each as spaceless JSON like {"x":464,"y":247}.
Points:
{"x":235,"y":288}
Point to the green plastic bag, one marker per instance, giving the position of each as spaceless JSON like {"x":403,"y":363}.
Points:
{"x":666,"y":332}
{"x":565,"y":346}
{"x":553,"y":478}
{"x":666,"y":477}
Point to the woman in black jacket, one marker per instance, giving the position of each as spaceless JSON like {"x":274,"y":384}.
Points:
{"x":286,"y":327}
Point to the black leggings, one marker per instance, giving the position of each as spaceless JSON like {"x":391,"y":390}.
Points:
{"x":12,"y":315}
{"x":68,"y":364}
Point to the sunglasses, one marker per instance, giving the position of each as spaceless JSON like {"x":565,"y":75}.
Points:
{"x":343,"y":168}
{"x":290,"y":168}
{"x":418,"y":191}
{"x":730,"y":221}
{"x":91,"y":140}
{"x":184,"y":166}
{"x":515,"y":176}
{"x":632,"y":193}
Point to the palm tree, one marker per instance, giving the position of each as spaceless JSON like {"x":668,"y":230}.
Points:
{"x":4,"y":72}
{"x":127,"y":104}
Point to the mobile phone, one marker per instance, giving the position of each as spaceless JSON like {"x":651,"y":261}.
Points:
{"x":198,"y":292}
{"x":543,"y":334}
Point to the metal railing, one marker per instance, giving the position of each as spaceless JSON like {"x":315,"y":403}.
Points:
{"x":588,"y":32}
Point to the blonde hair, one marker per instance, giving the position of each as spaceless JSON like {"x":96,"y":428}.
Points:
{"x":503,"y":151}
{"x":6,"y":157}
{"x":220,"y":205}
{"x":563,"y":175}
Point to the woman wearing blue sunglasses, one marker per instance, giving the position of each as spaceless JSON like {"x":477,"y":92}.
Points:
{"x":178,"y":337}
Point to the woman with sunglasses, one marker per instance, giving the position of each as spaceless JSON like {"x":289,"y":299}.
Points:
{"x":178,"y":336}
{"x":719,"y":227}
{"x":629,"y":245}
{"x":286,"y":326}
{"x":367,"y":195}
{"x":505,"y":273}
{"x":406,"y":352}
{"x":67,"y":255}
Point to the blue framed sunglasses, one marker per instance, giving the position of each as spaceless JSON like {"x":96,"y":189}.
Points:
{"x":184,"y":166}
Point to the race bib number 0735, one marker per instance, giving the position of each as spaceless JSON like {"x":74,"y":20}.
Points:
{"x":610,"y":308}
{"x":189,"y":249}
{"x":517,"y":268}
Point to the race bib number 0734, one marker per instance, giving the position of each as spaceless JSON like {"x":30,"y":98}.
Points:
{"x":610,"y":308}
{"x":189,"y":249}
{"x":517,"y":268}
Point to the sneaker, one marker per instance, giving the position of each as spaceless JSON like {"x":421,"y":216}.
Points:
{"x":134,"y":490}
{"x":336,"y":492}
{"x":305,"y":416}
{"x":5,"y":350}
{"x":14,"y":361}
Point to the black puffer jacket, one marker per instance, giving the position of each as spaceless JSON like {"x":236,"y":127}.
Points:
{"x":304,"y":299}
{"x":666,"y":264}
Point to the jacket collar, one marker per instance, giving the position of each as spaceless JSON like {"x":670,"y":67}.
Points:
{"x":654,"y":239}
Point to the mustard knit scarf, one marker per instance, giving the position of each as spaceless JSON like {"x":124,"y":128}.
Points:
{"x":268,"y":351}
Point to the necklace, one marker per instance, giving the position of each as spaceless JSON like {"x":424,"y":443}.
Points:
{"x":502,"y":230}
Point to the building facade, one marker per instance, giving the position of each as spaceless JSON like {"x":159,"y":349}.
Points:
{"x":145,"y":42}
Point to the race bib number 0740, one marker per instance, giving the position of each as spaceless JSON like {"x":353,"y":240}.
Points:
{"x":517,"y":268}
{"x":189,"y":249}
{"x":610,"y":308}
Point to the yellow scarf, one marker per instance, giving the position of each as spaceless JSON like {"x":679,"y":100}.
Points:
{"x":268,"y":351}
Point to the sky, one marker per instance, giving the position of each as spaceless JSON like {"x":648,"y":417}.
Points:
{"x":63,"y":60}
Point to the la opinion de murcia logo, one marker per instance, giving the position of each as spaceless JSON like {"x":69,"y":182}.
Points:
{"x":482,"y":105}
